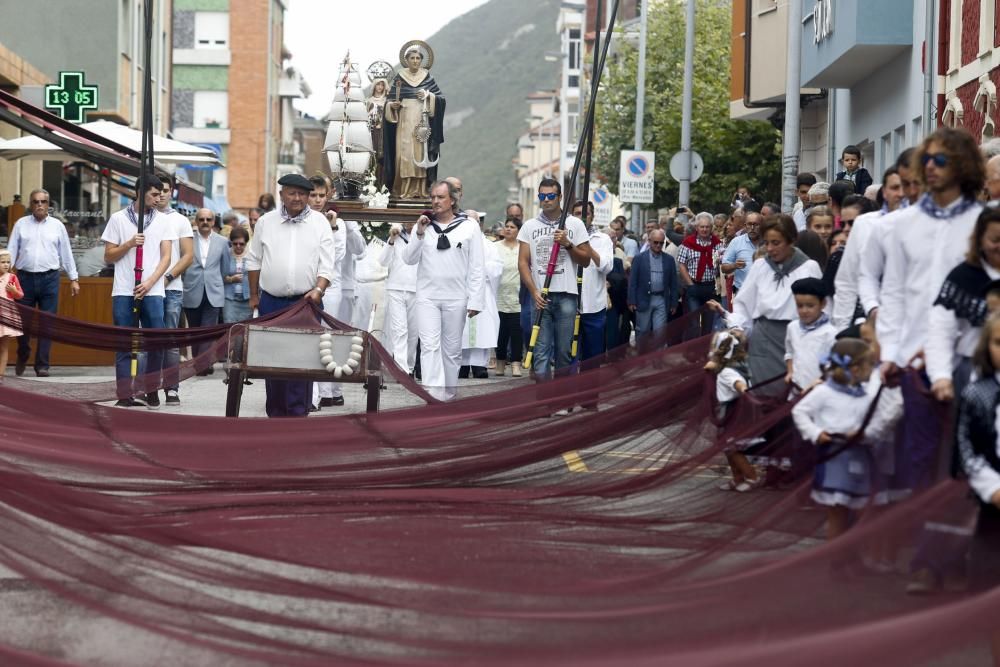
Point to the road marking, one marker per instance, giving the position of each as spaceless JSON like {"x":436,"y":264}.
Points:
{"x":574,"y":462}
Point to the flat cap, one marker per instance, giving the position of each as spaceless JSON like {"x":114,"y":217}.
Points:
{"x":296,"y":181}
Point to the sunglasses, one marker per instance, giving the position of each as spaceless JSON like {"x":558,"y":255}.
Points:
{"x":939,"y":159}
{"x":656,"y":243}
{"x":551,"y":196}
{"x":237,"y":243}
{"x":39,"y":201}
{"x":205,"y":219}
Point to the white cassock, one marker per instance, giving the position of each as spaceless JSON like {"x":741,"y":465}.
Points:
{"x":334,"y":299}
{"x":370,"y":276}
{"x":400,"y":304}
{"x":449,"y":284}
{"x":481,"y":332}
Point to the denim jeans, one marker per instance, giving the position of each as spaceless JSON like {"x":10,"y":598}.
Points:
{"x":41,"y":290}
{"x":150,"y":317}
{"x":555,"y":335}
{"x":172,"y":320}
{"x":654,"y":317}
{"x":236,"y":311}
{"x":698,"y":295}
{"x":204,"y":315}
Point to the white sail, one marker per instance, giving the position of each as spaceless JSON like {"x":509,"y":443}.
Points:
{"x":351,"y":135}
{"x":354,"y":94}
{"x":352,"y":110}
{"x":348,"y":164}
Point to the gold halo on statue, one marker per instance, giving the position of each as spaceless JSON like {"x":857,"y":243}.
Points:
{"x":425,"y":50}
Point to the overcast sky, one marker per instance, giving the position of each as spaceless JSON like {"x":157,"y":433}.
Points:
{"x":319,"y":32}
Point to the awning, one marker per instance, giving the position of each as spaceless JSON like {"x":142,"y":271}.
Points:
{"x":105,"y":143}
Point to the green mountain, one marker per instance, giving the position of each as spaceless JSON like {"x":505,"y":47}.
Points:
{"x":486,"y":62}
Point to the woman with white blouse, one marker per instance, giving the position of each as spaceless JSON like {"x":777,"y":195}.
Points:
{"x":765,"y":304}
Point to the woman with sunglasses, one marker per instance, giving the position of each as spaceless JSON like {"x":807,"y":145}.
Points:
{"x":237,"y":306}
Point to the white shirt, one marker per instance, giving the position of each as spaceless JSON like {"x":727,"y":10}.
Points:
{"x":871,"y":264}
{"x":799,"y":216}
{"x":120,"y":229}
{"x":355,"y":248}
{"x":762,"y":296}
{"x":339,"y":250}
{"x":291,"y":255}
{"x":826,"y":409}
{"x":538,"y":236}
{"x":725,"y":385}
{"x":949,"y":338}
{"x":402,"y":276}
{"x":203,"y":249}
{"x":184,"y":231}
{"x":920,"y":251}
{"x":41,"y":246}
{"x":805,"y":349}
{"x":454,"y":274}
{"x":846,"y":282}
{"x":594,"y":297}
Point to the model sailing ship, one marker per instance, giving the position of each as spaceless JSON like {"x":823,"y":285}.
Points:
{"x":348,"y":146}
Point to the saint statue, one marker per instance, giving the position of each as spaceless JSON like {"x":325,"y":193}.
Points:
{"x":413,"y":130}
{"x":376,"y":115}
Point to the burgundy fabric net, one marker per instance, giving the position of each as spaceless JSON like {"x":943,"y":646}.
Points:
{"x":481,"y":531}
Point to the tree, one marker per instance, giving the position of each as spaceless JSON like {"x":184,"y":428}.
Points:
{"x":734,"y":152}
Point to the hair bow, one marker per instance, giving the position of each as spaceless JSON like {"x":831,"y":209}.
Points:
{"x":722,"y":338}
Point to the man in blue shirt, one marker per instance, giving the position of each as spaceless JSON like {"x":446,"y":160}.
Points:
{"x":739,"y":255}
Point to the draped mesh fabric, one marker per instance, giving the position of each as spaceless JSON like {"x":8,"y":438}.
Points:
{"x":481,"y":531}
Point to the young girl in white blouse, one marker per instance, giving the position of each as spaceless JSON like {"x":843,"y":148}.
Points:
{"x":831,"y":416}
{"x":725,"y":360}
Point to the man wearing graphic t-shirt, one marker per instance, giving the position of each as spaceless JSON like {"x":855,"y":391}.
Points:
{"x":536,"y":238}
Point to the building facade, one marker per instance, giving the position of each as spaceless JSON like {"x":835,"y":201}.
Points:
{"x":969,"y":65}
{"x":227,"y":75}
{"x":861,"y":76}
{"x":17,"y":177}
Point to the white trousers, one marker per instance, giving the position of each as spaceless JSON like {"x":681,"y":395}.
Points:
{"x":401,"y":327}
{"x":335,"y":303}
{"x":440,"y":325}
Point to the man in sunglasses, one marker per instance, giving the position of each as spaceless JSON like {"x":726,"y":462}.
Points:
{"x":181,"y":256}
{"x":559,"y":304}
{"x":39,"y":245}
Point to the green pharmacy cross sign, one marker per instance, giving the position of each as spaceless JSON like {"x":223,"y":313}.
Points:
{"x":71,"y":97}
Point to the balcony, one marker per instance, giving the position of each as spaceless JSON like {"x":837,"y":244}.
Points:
{"x":844,"y":41}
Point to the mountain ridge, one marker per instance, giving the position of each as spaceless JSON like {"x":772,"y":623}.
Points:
{"x":487,"y":61}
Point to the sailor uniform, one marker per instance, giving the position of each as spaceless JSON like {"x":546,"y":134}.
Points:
{"x":400,"y":303}
{"x":450,"y":276}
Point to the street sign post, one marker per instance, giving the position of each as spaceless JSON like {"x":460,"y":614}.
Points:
{"x":635,"y":177}
{"x":71,"y":97}
{"x":602,"y":206}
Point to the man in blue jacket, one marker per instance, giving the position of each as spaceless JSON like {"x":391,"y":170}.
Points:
{"x":652,"y":285}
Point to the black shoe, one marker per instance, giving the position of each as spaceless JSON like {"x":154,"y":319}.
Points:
{"x":19,"y":368}
{"x":463,"y":371}
{"x":331,"y":401}
{"x":480,"y":372}
{"x":207,"y":371}
{"x":313,"y":408}
{"x":153,"y":400}
{"x":247,"y":381}
{"x":129,"y":403}
{"x":42,"y":372}
{"x":172,"y":397}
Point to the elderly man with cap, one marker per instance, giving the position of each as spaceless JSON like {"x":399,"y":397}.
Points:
{"x":291,"y":257}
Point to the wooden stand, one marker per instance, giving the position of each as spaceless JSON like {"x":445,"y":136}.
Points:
{"x":292,"y":354}
{"x":399,"y":211}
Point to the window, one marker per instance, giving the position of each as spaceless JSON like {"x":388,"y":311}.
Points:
{"x":574,"y":49}
{"x":211,"y":30}
{"x":211,"y":108}
{"x":574,"y":81}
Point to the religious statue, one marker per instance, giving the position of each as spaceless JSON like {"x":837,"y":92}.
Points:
{"x":413,"y":130}
{"x":376,"y":115}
